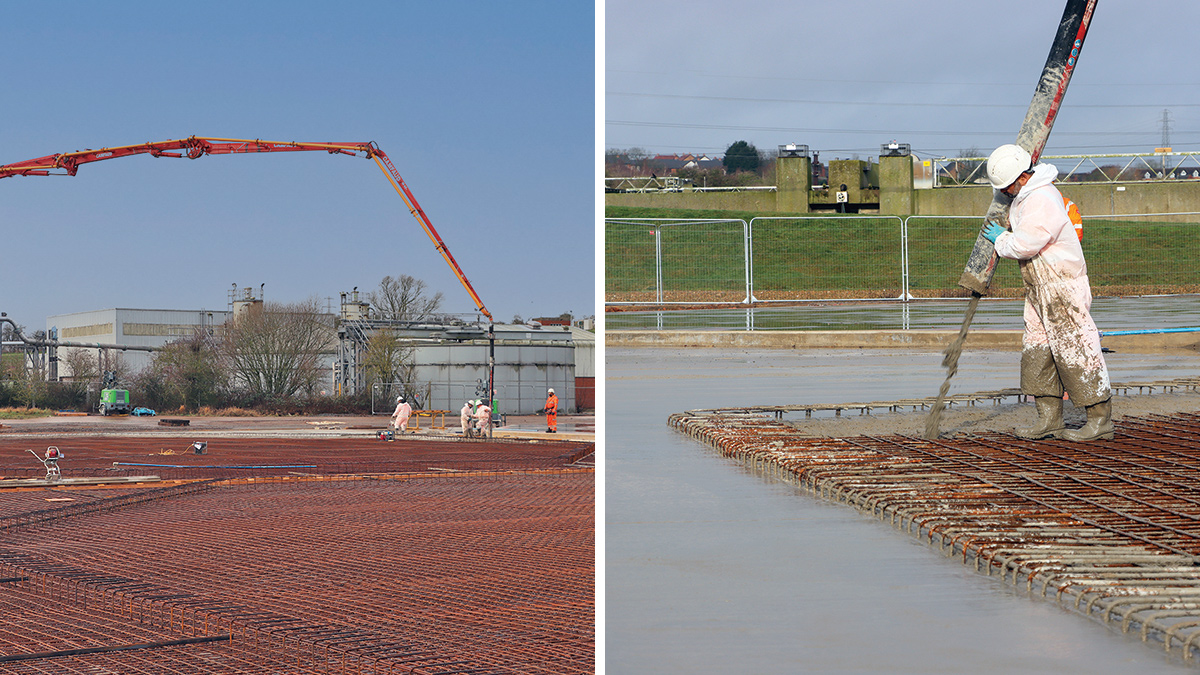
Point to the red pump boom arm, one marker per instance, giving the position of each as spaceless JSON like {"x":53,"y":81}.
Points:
{"x":195,"y":147}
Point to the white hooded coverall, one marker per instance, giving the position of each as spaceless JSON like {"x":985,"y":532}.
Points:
{"x":483,"y":420}
{"x":1061,"y":345}
{"x":400,"y":417}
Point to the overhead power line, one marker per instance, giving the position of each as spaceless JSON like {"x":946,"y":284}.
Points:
{"x":815,"y":130}
{"x":907,"y":104}
{"x":675,"y":74}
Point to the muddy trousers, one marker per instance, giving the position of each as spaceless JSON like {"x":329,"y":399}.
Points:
{"x":1061,"y":346}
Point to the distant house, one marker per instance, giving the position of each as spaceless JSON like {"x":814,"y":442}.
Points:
{"x":669,"y":165}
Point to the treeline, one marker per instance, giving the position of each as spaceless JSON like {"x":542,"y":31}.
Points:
{"x":741,"y":165}
{"x":268,"y":360}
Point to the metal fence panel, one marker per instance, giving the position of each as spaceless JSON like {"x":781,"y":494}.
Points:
{"x":665,"y":261}
{"x":937,"y":251}
{"x":653,"y":260}
{"x":1155,"y":257}
{"x":1135,"y":254}
{"x":815,"y":257}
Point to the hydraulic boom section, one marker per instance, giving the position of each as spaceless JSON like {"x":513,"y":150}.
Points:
{"x":195,"y":147}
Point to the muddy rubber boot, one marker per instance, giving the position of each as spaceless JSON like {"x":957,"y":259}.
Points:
{"x":1050,"y":419}
{"x":1099,"y":424}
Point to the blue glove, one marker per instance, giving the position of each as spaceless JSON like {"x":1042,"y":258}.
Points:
{"x":992,"y":231}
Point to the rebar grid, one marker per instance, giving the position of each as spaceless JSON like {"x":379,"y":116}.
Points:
{"x":43,"y":633}
{"x":1112,"y":528}
{"x":17,"y":502}
{"x":489,"y":572}
{"x":227,"y":457}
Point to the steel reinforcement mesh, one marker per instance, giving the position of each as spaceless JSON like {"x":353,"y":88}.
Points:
{"x":173,"y":458}
{"x":471,"y":572}
{"x":1109,"y":528}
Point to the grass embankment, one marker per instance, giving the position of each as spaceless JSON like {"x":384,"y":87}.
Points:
{"x":834,"y":256}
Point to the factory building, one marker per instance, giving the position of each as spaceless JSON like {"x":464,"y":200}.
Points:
{"x":450,"y":357}
{"x":451,"y":362}
{"x":132,"y":327}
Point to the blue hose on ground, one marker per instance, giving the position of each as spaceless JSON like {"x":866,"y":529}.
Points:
{"x":1148,"y":331}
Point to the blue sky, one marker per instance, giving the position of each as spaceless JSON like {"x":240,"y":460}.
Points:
{"x":846,"y":77}
{"x":485,"y":108}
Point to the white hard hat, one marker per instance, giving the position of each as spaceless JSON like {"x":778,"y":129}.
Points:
{"x":1006,"y":164}
{"x":550,"y":392}
{"x":399,"y":399}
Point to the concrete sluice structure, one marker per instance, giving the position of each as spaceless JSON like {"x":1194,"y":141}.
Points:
{"x":1109,"y":529}
{"x":486,"y":566}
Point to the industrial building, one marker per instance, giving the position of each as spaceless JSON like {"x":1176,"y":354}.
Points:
{"x":449,"y":356}
{"x":127,"y":327}
{"x":454,"y":359}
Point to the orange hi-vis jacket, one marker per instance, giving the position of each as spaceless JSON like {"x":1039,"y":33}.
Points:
{"x":1075,"y":216}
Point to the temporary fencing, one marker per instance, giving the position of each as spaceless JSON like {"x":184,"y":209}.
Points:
{"x":664,"y":260}
{"x":937,"y":248}
{"x":804,"y":258}
{"x":1144,"y":261}
{"x":845,"y":257}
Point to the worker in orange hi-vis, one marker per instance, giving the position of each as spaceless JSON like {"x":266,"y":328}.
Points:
{"x":551,"y":410}
{"x":1075,"y":216}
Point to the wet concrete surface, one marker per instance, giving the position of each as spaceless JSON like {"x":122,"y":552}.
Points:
{"x":711,"y":568}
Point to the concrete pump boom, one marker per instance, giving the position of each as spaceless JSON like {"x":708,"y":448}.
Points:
{"x":195,"y":147}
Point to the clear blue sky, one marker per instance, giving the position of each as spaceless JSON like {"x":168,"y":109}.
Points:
{"x":485,"y":108}
{"x":846,"y":77}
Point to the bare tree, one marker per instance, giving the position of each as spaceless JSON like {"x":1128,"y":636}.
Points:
{"x":8,"y":333}
{"x":82,"y":363}
{"x":110,"y":361}
{"x":970,"y":170}
{"x":31,"y":385}
{"x":404,"y":298}
{"x":390,"y":359}
{"x":188,"y":371}
{"x":275,"y":353}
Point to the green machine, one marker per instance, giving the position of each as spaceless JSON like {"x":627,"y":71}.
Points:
{"x":113,"y":401}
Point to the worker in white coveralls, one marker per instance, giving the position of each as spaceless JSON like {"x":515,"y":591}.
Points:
{"x":464,"y":418}
{"x":483,"y":419}
{"x":1061,"y":345}
{"x":401,"y":415}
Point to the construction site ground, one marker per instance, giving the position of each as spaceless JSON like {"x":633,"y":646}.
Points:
{"x":1106,"y":529}
{"x":297,"y":545}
